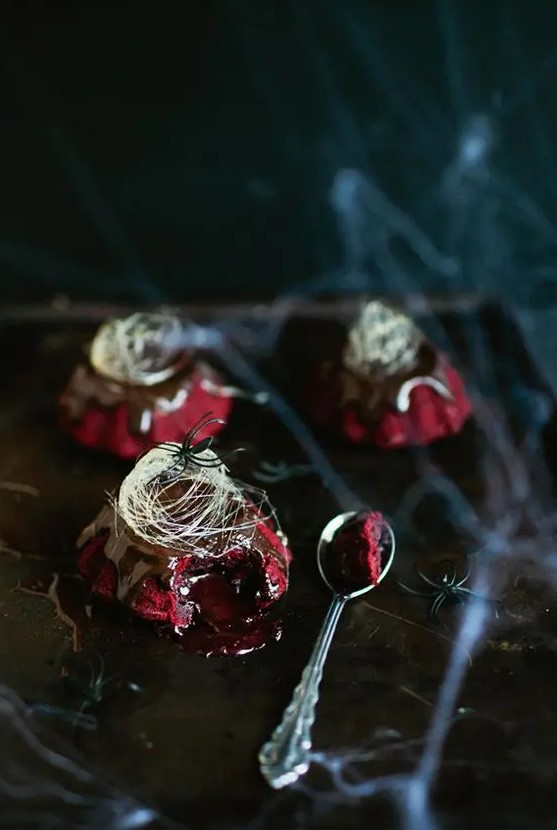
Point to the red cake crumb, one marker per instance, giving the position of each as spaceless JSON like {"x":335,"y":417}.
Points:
{"x":115,"y":427}
{"x":355,"y":551}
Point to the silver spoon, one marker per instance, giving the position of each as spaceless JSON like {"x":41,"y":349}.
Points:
{"x":287,"y":755}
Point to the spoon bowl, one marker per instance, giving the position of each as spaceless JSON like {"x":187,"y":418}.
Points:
{"x":329,"y":532}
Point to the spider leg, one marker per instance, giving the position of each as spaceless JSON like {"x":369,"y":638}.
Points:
{"x":95,"y":678}
{"x":427,"y":579}
{"x":167,"y":471}
{"x":101,"y":686}
{"x":164,"y":445}
{"x":463,"y":580}
{"x":203,"y":445}
{"x":218,"y":461}
{"x":416,"y":593}
{"x":176,"y":458}
{"x":178,"y":462}
{"x":195,"y":429}
{"x":202,"y":424}
{"x":85,"y":705}
{"x":207,"y":462}
{"x":452,"y":580}
{"x":435,"y":608}
{"x":473,"y":594}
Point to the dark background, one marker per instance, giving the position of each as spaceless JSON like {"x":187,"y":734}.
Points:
{"x":187,"y":151}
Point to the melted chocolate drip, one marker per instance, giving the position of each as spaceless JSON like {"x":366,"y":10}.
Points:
{"x":373,"y":395}
{"x":69,"y":595}
{"x":89,"y":388}
{"x":231,"y":642}
{"x":136,"y":559}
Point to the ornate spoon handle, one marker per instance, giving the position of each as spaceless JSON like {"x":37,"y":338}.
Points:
{"x":286,"y":756}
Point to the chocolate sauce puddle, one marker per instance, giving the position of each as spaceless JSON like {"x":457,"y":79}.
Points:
{"x":229,"y":643}
{"x":221,"y":633}
{"x":227,"y":626}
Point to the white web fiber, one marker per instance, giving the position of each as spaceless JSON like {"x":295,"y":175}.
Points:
{"x":43,"y":782}
{"x":137,"y":349}
{"x":188,"y":509}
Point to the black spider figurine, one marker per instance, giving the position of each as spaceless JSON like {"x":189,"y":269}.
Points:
{"x":449,"y":590}
{"x":190,"y":452}
{"x":92,"y":687}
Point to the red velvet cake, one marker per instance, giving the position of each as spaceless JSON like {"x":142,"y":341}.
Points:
{"x":388,"y":386}
{"x":140,"y":387}
{"x":184,"y":545}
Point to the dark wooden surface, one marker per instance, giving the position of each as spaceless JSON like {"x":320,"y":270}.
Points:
{"x":187,"y":743}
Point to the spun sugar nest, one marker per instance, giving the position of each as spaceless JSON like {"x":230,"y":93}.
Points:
{"x":184,"y":509}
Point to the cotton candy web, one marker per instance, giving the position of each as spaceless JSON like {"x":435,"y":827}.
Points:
{"x":192,"y":508}
{"x":382,"y":340}
{"x":137,"y":349}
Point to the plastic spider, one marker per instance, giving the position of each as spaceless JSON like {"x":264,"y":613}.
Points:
{"x":449,"y":591}
{"x":190,"y":452}
{"x":92,"y":689}
{"x":88,"y":688}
